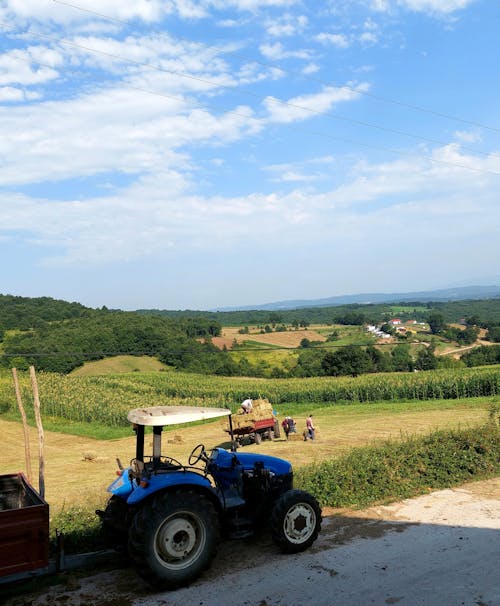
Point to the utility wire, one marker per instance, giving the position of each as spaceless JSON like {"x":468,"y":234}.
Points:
{"x":294,"y":72}
{"x":252,"y":117}
{"x":237,"y":349}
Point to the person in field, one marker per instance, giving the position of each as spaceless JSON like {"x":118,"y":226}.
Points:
{"x":286,"y":426}
{"x":247,"y":405}
{"x":309,"y":433}
{"x":289,"y":426}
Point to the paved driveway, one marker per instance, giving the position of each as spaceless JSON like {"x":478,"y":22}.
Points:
{"x":440,"y":549}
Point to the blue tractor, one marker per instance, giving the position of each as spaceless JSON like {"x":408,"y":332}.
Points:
{"x":171,"y":516}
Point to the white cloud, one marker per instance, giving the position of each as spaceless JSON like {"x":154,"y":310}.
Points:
{"x":294,"y":177}
{"x":310,"y":68}
{"x":248,"y":5}
{"x":58,"y":12}
{"x":308,"y":170}
{"x":368,"y":38}
{"x":436,"y":6}
{"x":425,"y":6}
{"x":277,"y":51}
{"x":306,"y":106}
{"x":338,"y":40}
{"x":10,"y":93}
{"x":470,"y":136}
{"x":113,"y":130}
{"x":148,"y":11}
{"x":367,"y":34}
{"x":415,"y":202}
{"x":22,"y":67}
{"x":286,"y":25}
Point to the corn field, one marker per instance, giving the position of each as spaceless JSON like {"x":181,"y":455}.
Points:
{"x":107,"y":399}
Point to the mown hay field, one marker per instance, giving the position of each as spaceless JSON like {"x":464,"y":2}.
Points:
{"x":289,"y":338}
{"x":78,"y":469}
{"x":348,"y":411}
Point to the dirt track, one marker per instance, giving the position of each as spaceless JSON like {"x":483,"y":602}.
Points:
{"x":441,"y":548}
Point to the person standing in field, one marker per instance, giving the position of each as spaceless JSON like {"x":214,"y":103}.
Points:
{"x":247,"y":405}
{"x":286,"y":426}
{"x":309,"y":428}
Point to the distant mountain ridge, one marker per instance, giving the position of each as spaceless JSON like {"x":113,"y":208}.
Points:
{"x":444,"y":294}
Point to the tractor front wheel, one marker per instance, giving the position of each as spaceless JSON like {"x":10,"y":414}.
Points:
{"x":174,"y":538}
{"x":295,"y":521}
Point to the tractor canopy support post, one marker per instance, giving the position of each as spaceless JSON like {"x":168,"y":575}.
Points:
{"x":156,"y":446}
{"x":139,"y":447}
{"x":231,"y":433}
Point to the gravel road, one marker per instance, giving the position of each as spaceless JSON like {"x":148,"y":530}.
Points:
{"x":439,"y":549}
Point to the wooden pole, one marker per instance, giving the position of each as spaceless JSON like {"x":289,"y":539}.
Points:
{"x":36,"y":402}
{"x":27,"y":453}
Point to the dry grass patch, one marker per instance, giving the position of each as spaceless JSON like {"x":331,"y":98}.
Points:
{"x":290,"y":338}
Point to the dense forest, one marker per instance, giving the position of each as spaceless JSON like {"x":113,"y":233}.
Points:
{"x":58,"y":336}
{"x":24,"y":313}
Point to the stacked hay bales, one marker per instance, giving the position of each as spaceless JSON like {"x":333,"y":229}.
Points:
{"x":245,"y":422}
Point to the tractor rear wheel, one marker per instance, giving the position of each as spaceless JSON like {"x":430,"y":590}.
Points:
{"x":174,"y":538}
{"x":295,"y":521}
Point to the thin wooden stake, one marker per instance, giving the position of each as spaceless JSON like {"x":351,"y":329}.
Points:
{"x":27,"y":453}
{"x":36,"y":402}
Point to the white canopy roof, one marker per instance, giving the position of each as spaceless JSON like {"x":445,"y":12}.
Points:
{"x":173,"y":415}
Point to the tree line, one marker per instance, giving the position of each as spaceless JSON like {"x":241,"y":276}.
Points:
{"x":485,"y":311}
{"x":57,"y":336}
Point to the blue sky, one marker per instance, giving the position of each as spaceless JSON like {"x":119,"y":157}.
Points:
{"x":206,"y":153}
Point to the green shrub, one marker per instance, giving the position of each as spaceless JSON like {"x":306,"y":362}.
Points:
{"x":397,"y":470}
{"x":81,"y":529}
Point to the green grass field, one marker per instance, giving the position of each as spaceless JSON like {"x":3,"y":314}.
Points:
{"x":408,"y":309}
{"x":119,"y":364}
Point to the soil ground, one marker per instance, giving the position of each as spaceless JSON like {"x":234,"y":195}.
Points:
{"x":440,"y":548}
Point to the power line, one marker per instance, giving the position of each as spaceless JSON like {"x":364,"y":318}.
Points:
{"x":294,"y":72}
{"x":287,"y":125}
{"x":238,"y":349}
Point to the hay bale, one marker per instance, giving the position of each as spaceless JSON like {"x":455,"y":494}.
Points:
{"x":176,"y":439}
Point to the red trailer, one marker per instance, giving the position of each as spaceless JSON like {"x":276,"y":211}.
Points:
{"x":24,"y":529}
{"x":255,"y":426}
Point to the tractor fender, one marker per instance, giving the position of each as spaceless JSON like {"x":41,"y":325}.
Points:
{"x":123,"y":485}
{"x":173,"y":480}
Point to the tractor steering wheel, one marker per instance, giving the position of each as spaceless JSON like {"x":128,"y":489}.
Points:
{"x":198,"y":454}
